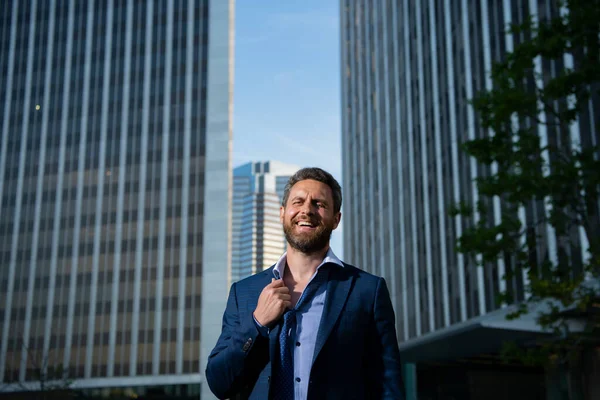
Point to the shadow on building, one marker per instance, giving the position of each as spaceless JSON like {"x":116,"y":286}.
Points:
{"x":479,"y":379}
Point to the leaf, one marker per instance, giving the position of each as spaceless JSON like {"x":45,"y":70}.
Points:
{"x":556,"y":182}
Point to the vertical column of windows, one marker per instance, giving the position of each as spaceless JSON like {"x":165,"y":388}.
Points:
{"x":459,"y":293}
{"x":438,"y":160}
{"x":19,"y":192}
{"x":425,"y":283}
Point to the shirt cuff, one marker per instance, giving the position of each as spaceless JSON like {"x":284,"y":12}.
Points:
{"x":263,"y":330}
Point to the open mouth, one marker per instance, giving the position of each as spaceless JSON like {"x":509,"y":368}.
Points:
{"x":306,"y":225}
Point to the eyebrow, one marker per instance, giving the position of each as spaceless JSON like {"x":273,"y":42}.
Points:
{"x":303,"y":196}
{"x":315,"y":199}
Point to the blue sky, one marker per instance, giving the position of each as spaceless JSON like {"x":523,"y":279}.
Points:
{"x":287,"y":85}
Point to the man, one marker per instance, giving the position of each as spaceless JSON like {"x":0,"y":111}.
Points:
{"x":311,"y":326}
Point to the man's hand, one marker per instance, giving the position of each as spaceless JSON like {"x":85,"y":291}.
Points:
{"x":272,"y":302}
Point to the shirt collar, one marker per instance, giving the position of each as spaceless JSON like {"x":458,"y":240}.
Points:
{"x":330,"y":257}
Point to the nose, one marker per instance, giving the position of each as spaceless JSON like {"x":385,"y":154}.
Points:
{"x":307,"y":208}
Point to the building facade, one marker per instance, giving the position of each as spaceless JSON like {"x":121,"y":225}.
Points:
{"x":409,"y":69}
{"x":115,"y":189}
{"x":257,"y":234}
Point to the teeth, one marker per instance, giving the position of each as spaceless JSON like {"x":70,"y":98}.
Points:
{"x":304,"y":224}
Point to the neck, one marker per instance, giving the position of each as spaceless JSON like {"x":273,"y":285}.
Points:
{"x":301,"y":266}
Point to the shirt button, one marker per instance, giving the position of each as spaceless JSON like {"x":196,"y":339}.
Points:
{"x":298,"y":379}
{"x":297,"y":343}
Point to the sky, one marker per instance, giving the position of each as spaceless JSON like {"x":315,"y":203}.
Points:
{"x":287,"y":86}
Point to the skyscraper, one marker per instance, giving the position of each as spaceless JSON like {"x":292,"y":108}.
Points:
{"x":115,"y":188}
{"x":257,"y":234}
{"x":409,"y":69}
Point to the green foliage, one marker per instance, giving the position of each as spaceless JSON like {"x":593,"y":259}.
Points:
{"x":560,"y":175}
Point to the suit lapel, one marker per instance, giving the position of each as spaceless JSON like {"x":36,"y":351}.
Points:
{"x":338,"y":289}
{"x":265,"y":276}
{"x":274,"y":342}
{"x":274,"y":333}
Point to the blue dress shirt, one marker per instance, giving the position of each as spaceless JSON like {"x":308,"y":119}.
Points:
{"x":308,"y":318}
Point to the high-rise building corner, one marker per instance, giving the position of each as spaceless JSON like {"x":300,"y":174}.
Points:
{"x":115,"y":191}
{"x":257,"y":234}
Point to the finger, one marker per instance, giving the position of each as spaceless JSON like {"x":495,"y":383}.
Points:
{"x":287,"y":304}
{"x":285,"y":297}
{"x":276,"y":282}
{"x":283,"y":290}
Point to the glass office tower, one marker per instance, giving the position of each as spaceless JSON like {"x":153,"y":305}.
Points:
{"x":257,"y":234}
{"x":409,"y":69}
{"x":115,"y":188}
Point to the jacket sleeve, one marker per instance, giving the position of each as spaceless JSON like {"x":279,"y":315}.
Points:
{"x":239,"y":355}
{"x":385,"y":372}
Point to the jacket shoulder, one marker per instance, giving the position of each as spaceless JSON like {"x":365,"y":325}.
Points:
{"x":360,"y":273}
{"x":255,"y":280}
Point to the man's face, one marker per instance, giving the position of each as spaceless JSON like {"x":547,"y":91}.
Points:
{"x":308,"y":217}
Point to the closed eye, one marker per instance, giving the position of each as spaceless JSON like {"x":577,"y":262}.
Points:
{"x":321,"y":204}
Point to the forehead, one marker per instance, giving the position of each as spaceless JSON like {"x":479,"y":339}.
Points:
{"x":313,"y":188}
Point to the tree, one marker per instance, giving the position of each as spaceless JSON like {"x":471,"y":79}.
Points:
{"x":553,"y":179}
{"x":47,"y":378}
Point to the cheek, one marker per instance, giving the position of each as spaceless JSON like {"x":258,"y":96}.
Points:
{"x":288,"y":216}
{"x":330,"y":220}
{"x":325,"y":216}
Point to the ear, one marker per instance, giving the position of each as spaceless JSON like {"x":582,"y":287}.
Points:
{"x":337,"y":218}
{"x":281,"y":213}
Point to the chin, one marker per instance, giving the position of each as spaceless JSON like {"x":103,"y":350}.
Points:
{"x":308,"y":246}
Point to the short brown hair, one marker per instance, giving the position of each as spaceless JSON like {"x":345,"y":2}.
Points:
{"x":319,"y":175}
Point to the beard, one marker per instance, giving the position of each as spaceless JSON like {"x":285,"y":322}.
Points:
{"x":307,"y":242}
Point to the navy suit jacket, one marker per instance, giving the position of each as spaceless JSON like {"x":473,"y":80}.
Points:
{"x":356,"y":352}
